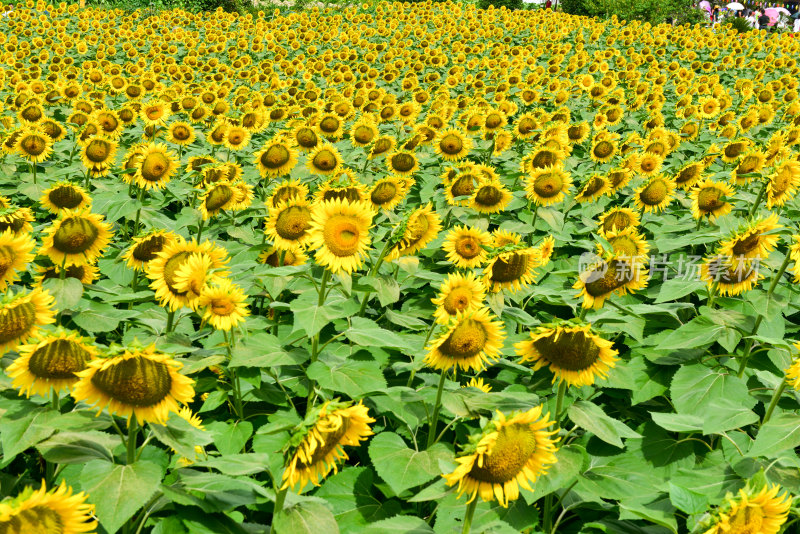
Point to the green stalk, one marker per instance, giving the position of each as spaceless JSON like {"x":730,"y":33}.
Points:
{"x":200,"y":229}
{"x":236,"y":384}
{"x":372,"y":272}
{"x":533,"y":222}
{"x":548,"y":500}
{"x":280,"y":497}
{"x":56,"y":402}
{"x":170,"y":320}
{"x":582,"y":315}
{"x":758,"y":198}
{"x":139,"y":198}
{"x":133,"y":431}
{"x":774,"y":402}
{"x":436,"y":408}
{"x":427,"y":338}
{"x":469,"y":515}
{"x":312,"y":395}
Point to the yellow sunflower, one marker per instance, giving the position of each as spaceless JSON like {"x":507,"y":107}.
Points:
{"x":548,"y":185}
{"x":144,"y":248}
{"x":181,"y":133}
{"x":15,"y":255}
{"x":595,"y":187}
{"x":627,"y":243}
{"x":45,"y":512}
{"x":783,"y":183}
{"x":286,"y":190}
{"x":466,"y":246}
{"x":97,"y":155}
{"x":471,"y":340}
{"x":402,"y":163}
{"x":458,"y":293}
{"x":655,"y":194}
{"x":708,"y":199}
{"x":34,"y":145}
{"x":21,"y":315}
{"x":288,"y":224}
{"x":324,"y":159}
{"x":754,"y":241}
{"x":282,"y":258}
{"x":512,"y":269}
{"x":276,"y":158}
{"x":452,"y":144}
{"x":478,"y":383}
{"x":419,"y":229}
{"x":608,"y":276}
{"x":618,"y":218}
{"x":762,"y":512}
{"x":156,"y":165}
{"x":750,"y":164}
{"x":223,"y":305}
{"x":731,"y":275}
{"x":689,"y":175}
{"x":76,"y":238}
{"x":64,"y":195}
{"x":490,"y":197}
{"x":339,"y":234}
{"x":386,"y":193}
{"x":85,"y":273}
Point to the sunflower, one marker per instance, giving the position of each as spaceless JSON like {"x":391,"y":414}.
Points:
{"x":282,"y":258}
{"x":135,"y":381}
{"x":86,"y":274}
{"x":510,"y":453}
{"x":548,"y":185}
{"x":339,"y":233}
{"x":64,"y":195}
{"x":603,"y":150}
{"x":402,"y":163}
{"x":382,"y":145}
{"x":15,"y":255}
{"x":324,"y":159}
{"x":144,"y":249}
{"x":419,"y":229}
{"x":330,"y":126}
{"x":595,"y":187}
{"x":286,"y":190}
{"x":734,"y":150}
{"x":627,"y":243}
{"x":46,"y":512}
{"x":749,"y":164}
{"x":223,"y":305}
{"x":236,"y":138}
{"x":783,"y":183}
{"x":466,"y":246}
{"x":321,"y":442}
{"x":541,"y":158}
{"x":655,"y":194}
{"x":512,"y":269}
{"x":490,"y":197}
{"x":478,"y":383}
{"x":619,"y":219}
{"x":574,"y":354}
{"x":753,"y":241}
{"x":452,"y":144}
{"x":731,"y":275}
{"x":155,"y":113}
{"x":471,"y":340}
{"x":155,"y":166}
{"x":689,"y":175}
{"x":98,"y":154}
{"x":458,"y":293}
{"x":288,"y":224}
{"x":363,"y":132}
{"x":345,"y":187}
{"x":386,"y":193}
{"x":763,"y":512}
{"x":181,"y":133}
{"x":21,"y":315}
{"x":460,"y":187}
{"x":793,"y":372}
{"x":218,"y":197}
{"x":51,"y":361}
{"x":617,"y":179}
{"x":76,"y":238}
{"x":34,"y":145}
{"x":276,"y":158}
{"x":708,"y":199}
{"x":611,"y":275}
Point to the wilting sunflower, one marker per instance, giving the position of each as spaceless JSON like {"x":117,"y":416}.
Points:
{"x":339,"y":234}
{"x":57,"y":511}
{"x":466,"y":246}
{"x":135,"y":381}
{"x":156,"y":166}
{"x":490,"y":197}
{"x":21,"y":315}
{"x":655,"y":194}
{"x":548,"y":185}
{"x":512,"y":269}
{"x":386,"y":193}
{"x":595,"y":187}
{"x":288,"y":224}
{"x":762,"y":512}
{"x":402,"y":163}
{"x":76,"y":238}
{"x":458,"y":293}
{"x":223,"y":305}
{"x":574,"y":354}
{"x":452,"y":144}
{"x":281,"y":258}
{"x":753,"y":241}
{"x":511,"y":452}
{"x":98,"y":155}
{"x":51,"y":361}
{"x":64,"y":195}
{"x":144,"y":248}
{"x":783,"y":183}
{"x":276,"y":158}
{"x":689,"y":175}
{"x":608,"y":276}
{"x":329,"y":429}
{"x":419,"y":229}
{"x":34,"y":145}
{"x":731,"y":275}
{"x":15,"y":254}
{"x":708,"y":199}
{"x":471,"y":340}
{"x":324,"y":159}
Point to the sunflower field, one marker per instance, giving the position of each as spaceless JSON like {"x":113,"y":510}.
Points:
{"x":396,"y":268}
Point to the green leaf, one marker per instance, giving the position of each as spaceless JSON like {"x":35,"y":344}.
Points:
{"x":354,"y":378}
{"x":67,"y":292}
{"x":237,"y":464}
{"x":214,"y":492}
{"x":310,"y":318}
{"x":306,"y":517}
{"x":687,"y":500}
{"x":230,"y":438}
{"x":699,"y":332}
{"x":659,"y":511}
{"x":591,"y":417}
{"x":367,"y":333}
{"x":78,"y":447}
{"x":25,"y":428}
{"x":350,"y":495}
{"x":260,"y":350}
{"x":780,"y":433}
{"x":401,"y":524}
{"x":101,"y":317}
{"x":675,"y":422}
{"x":645,"y":379}
{"x":695,"y":387}
{"x":727,"y":414}
{"x":676,"y":288}
{"x":561,"y":474}
{"x":181,"y":436}
{"x":404,"y":468}
{"x":124,"y":489}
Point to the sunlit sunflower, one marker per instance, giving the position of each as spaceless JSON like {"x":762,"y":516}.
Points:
{"x":57,"y":511}
{"x":339,"y":234}
{"x":51,"y":361}
{"x":236,"y":138}
{"x":574,"y":354}
{"x":419,"y":229}
{"x":452,"y":144}
{"x":783,"y":183}
{"x":98,"y":154}
{"x":386,"y":193}
{"x":181,"y":133}
{"x":513,"y":269}
{"x":155,"y":166}
{"x":276,"y":158}
{"x":76,"y":238}
{"x":144,"y":249}
{"x":627,"y":243}
{"x":603,"y":150}
{"x":548,"y":185}
{"x":288,"y":224}
{"x":155,"y":113}
{"x":490,"y":197}
{"x":689,"y":175}
{"x":762,"y":512}
{"x":34,"y":145}
{"x":655,"y":194}
{"x":618,"y":178}
{"x":459,"y":188}
{"x":754,"y":240}
{"x":466,"y":247}
{"x":135,"y":381}
{"x":595,"y":187}
{"x":750,"y":165}
{"x":223,"y":305}
{"x":402,"y":163}
{"x":217,"y":197}
{"x":15,"y":255}
{"x":458,"y":293}
{"x":731,"y":275}
{"x":618,"y":218}
{"x":22,"y":314}
{"x":280,"y":258}
{"x":708,"y":199}
{"x":478,"y":383}
{"x":286,"y":190}
{"x":324,"y":159}
{"x":471,"y":340}
{"x":608,"y":276}
{"x":793,"y":372}
{"x":330,"y":428}
{"x":511,"y":452}
{"x":363,"y":132}
{"x":64,"y":195}
{"x":345,"y":187}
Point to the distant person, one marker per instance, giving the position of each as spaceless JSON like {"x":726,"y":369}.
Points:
{"x":797,"y":25}
{"x":763,"y":21}
{"x":548,"y":4}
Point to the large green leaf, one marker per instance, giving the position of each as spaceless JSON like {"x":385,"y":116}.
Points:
{"x":310,"y":317}
{"x":25,"y":428}
{"x":401,"y":524}
{"x":67,"y":292}
{"x":695,"y":388}
{"x":354,"y":378}
{"x":367,"y":333}
{"x":305,"y":517}
{"x":78,"y":447}
{"x":352,"y":496}
{"x":101,"y":317}
{"x":591,"y":417}
{"x":404,"y":468}
{"x":260,"y":350}
{"x":780,"y":433}
{"x":181,"y":436}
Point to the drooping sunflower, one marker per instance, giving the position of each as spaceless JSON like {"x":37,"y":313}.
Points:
{"x":749,"y":165}
{"x":339,"y":234}
{"x":731,"y":275}
{"x":144,"y":248}
{"x":223,"y":305}
{"x":65,"y":195}
{"x":458,"y":293}
{"x":754,"y":240}
{"x":613,"y":274}
{"x":321,"y":442}
{"x":708,"y":199}
{"x":76,"y":238}
{"x":288,"y":224}
{"x":490,"y":196}
{"x":548,"y":185}
{"x":471,"y":340}
{"x":21,"y":315}
{"x":47,"y":512}
{"x":512,"y":269}
{"x":420,"y":228}
{"x":324,"y":159}
{"x":466,"y":247}
{"x":762,"y":512}
{"x":655,"y":194}
{"x":574,"y":354}
{"x":452,"y":144}
{"x":511,"y":452}
{"x":34,"y":145}
{"x":15,"y":255}
{"x":276,"y":158}
{"x":51,"y":361}
{"x":156,"y":165}
{"x":382,"y":145}
{"x":783,"y":183}
{"x":595,"y":187}
{"x":135,"y":381}
{"x":386,"y":193}
{"x":402,"y":163}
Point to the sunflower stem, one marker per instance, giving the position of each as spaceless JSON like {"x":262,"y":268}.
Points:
{"x":562,"y":390}
{"x":372,"y":272}
{"x":170,"y":320}
{"x":56,"y":402}
{"x":139,"y":199}
{"x":582,"y":315}
{"x":435,"y":416}
{"x":533,"y":222}
{"x":758,"y":198}
{"x":200,"y":229}
{"x":33,"y":170}
{"x":312,"y":394}
{"x":280,"y":497}
{"x":623,"y":310}
{"x":133,"y":432}
{"x":774,"y":402}
{"x":469,"y":515}
{"x":427,"y":338}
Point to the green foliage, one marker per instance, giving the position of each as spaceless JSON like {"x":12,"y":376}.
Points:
{"x":739,"y":24}
{"x":653,"y":11}
{"x":497,"y":4}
